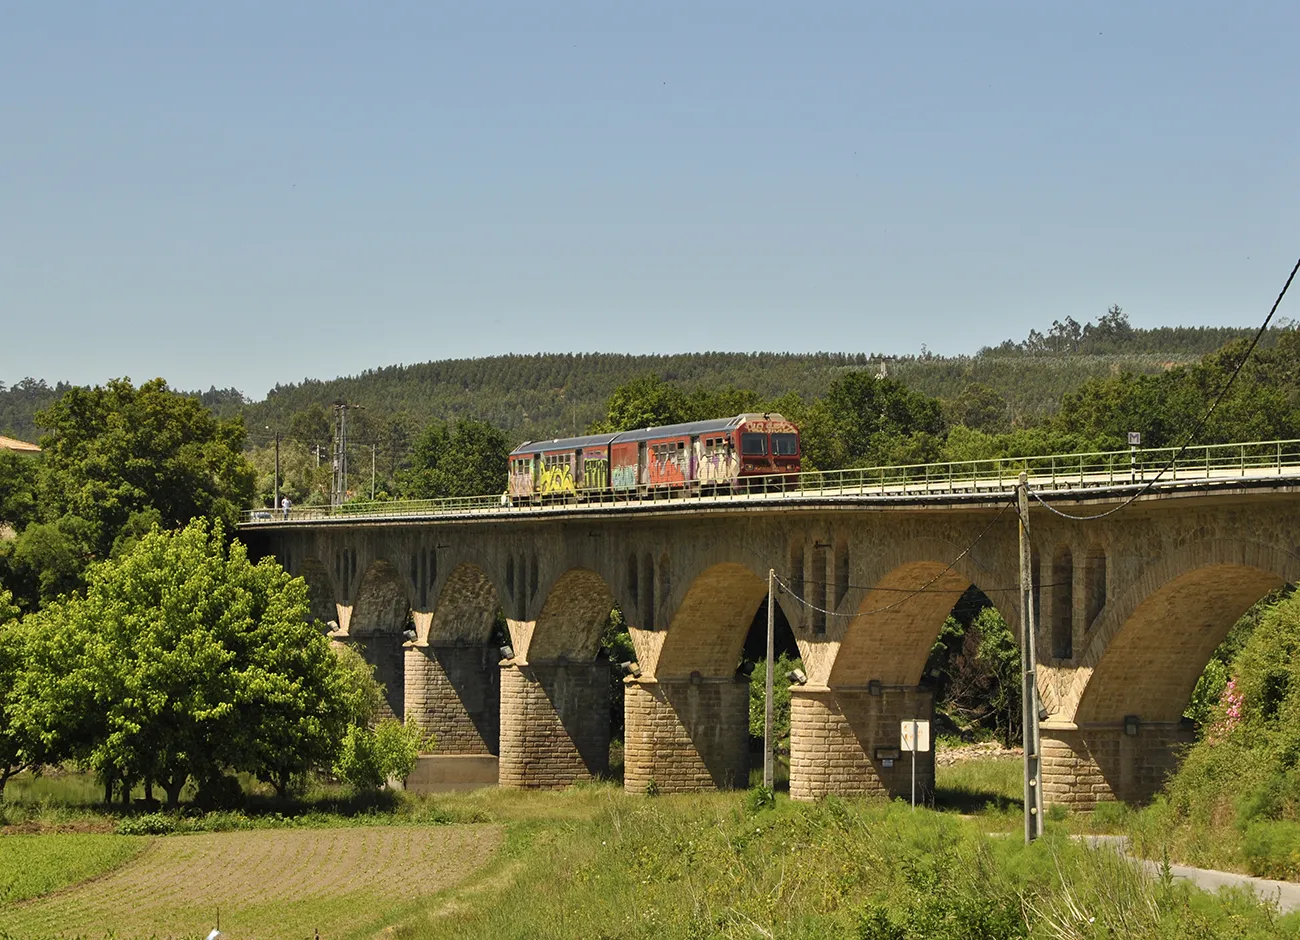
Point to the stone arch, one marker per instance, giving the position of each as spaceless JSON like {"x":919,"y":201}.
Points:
{"x":1153,"y":641}
{"x":321,"y":605}
{"x":572,"y":616}
{"x":379,"y":617}
{"x":1094,"y":586}
{"x":890,"y":636}
{"x":709,"y":626}
{"x":381,"y":605}
{"x":466,"y":608}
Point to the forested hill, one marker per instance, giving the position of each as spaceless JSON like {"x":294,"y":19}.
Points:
{"x":535,"y":396}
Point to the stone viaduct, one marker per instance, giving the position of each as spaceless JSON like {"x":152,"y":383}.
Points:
{"x":1130,"y":609}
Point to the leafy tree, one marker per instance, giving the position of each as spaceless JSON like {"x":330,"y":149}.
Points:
{"x":18,"y":479}
{"x":866,"y":419}
{"x":120,"y":457}
{"x":977,"y":661}
{"x":183,"y":659}
{"x":979,"y":407}
{"x":16,"y":748}
{"x":469,"y":458}
{"x":370,"y":757}
{"x":781,"y":666}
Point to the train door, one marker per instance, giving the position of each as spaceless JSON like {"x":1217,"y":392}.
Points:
{"x":643,"y":464}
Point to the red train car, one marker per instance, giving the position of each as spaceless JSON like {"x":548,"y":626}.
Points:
{"x":701,"y":456}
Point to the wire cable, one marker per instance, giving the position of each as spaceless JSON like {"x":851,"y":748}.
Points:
{"x":1259,"y":334}
{"x":924,"y":588}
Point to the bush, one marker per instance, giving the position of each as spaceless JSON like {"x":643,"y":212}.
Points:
{"x":370,"y":757}
{"x":220,"y":792}
{"x":1272,"y":849}
{"x":150,"y":824}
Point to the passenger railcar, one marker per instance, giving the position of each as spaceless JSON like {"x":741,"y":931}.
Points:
{"x":702,"y":456}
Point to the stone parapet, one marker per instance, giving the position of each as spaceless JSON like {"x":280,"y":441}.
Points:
{"x":455,"y":693}
{"x":1084,"y":766}
{"x":555,"y":721}
{"x":834,"y":734}
{"x":683,"y":735}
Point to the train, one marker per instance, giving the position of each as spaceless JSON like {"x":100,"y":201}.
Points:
{"x":722,"y":454}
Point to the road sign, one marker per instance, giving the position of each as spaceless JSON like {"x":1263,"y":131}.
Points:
{"x":1134,"y":438}
{"x":916,"y":735}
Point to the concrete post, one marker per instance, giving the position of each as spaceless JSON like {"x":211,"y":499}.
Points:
{"x":554,"y":723}
{"x":1095,"y":763}
{"x":683,"y":735}
{"x":454,"y":692}
{"x":835,"y":734}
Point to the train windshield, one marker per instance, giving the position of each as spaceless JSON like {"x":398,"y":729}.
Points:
{"x":753,"y":445}
{"x":785,"y":445}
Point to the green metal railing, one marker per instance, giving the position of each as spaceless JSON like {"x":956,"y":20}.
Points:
{"x":1052,"y":472}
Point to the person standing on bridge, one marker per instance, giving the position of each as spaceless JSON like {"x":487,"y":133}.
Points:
{"x":285,"y":504}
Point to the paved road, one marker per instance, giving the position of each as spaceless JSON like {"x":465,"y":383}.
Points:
{"x":1285,"y":894}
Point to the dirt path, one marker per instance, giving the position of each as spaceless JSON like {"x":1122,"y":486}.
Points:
{"x":268,"y":883}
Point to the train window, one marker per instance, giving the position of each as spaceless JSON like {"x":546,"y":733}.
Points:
{"x":753,"y":445}
{"x":785,"y":445}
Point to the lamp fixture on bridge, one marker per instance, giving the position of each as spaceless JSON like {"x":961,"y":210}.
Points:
{"x":875,"y":688}
{"x":630,"y":668}
{"x":1131,"y":725}
{"x":746,"y":668}
{"x":797,"y":676}
{"x":331,"y":626}
{"x":507,"y":652}
{"x":409,"y":634}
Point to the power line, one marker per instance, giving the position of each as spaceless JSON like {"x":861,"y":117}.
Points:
{"x":1187,"y":442}
{"x":903,"y":600}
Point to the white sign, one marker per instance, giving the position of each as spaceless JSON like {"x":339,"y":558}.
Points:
{"x":1134,"y":438}
{"x":916,"y":735}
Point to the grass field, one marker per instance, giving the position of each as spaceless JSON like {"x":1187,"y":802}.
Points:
{"x":34,"y":865}
{"x":592,"y":862}
{"x":287,"y":883}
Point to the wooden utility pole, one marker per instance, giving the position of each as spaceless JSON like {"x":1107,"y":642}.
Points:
{"x":1028,"y":669}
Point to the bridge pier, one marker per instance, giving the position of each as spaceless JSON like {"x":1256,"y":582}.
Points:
{"x":1095,"y":763}
{"x":554,"y":723}
{"x":454,"y":692}
{"x":385,"y":652}
{"x":834,"y":736}
{"x":683,"y":735}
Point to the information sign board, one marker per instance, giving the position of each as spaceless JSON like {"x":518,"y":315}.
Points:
{"x":916,"y":735}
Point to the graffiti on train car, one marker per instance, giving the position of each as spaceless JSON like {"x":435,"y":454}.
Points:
{"x":556,"y":475}
{"x":595,"y":473}
{"x":669,"y":463}
{"x":716,"y":460}
{"x":521,"y":479}
{"x":624,"y":472}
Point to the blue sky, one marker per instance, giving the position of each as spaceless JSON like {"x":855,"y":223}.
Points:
{"x":258,"y":192}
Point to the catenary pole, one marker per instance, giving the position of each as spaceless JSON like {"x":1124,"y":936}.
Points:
{"x":1028,"y":662}
{"x":275,"y":500}
{"x":769,"y":770}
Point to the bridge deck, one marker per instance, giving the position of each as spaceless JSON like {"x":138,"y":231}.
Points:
{"x":1111,"y":474}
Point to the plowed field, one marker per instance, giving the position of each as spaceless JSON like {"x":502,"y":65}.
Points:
{"x":268,"y":883}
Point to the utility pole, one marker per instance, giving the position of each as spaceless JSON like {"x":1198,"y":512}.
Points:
{"x":275,"y":503}
{"x":372,"y":473}
{"x":1028,"y":669}
{"x":769,"y":758}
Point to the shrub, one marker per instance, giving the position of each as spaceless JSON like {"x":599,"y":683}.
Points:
{"x":371,"y":756}
{"x":150,"y":824}
{"x":1272,"y":848}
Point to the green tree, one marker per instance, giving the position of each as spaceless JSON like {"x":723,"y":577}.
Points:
{"x":16,"y":748}
{"x":183,"y":659}
{"x":468,"y":458}
{"x":119,"y":458}
{"x":370,"y":757}
{"x":866,"y":419}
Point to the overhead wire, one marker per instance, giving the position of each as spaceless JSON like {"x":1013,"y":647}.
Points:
{"x":914,"y":593}
{"x":1196,"y":430}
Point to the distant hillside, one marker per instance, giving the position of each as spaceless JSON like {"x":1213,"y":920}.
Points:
{"x":557,"y":393}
